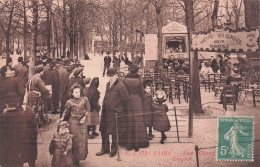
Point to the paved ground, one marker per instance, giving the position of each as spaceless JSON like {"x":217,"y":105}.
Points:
{"x":172,"y":153}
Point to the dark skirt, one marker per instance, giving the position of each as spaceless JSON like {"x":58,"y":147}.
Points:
{"x":18,"y":137}
{"x":136,"y":131}
{"x":93,"y":118}
{"x":79,"y":140}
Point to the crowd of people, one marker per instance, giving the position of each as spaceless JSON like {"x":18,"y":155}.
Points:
{"x":178,"y":65}
{"x":60,"y":87}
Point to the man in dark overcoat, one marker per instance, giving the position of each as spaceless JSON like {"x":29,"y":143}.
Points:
{"x":115,"y":101}
{"x":214,"y":64}
{"x":107,"y":61}
{"x":64,"y":80}
{"x":51,"y":77}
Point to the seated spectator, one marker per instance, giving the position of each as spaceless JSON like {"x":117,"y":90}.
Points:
{"x":207,"y":70}
{"x":233,"y":79}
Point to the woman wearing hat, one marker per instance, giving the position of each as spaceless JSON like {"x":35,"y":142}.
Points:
{"x":136,"y":130}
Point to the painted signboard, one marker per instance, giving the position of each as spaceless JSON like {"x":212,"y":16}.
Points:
{"x":226,"y":40}
{"x":151,"y":46}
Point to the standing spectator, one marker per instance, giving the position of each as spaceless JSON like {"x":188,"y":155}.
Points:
{"x":115,"y":101}
{"x":136,"y":60}
{"x":221,"y":64}
{"x":77,"y":79}
{"x":68,"y":53}
{"x":107,"y":61}
{"x":61,"y":145}
{"x":37,"y":90}
{"x":9,"y":62}
{"x":116,"y":62}
{"x":214,"y":64}
{"x":93,"y":96}
{"x":64,"y":81}
{"x":15,"y":90}
{"x":76,"y":111}
{"x":19,"y":64}
{"x":161,"y":121}
{"x":136,"y":131}
{"x":86,"y":82}
{"x":148,"y":109}
{"x":18,"y":138}
{"x":51,"y":77}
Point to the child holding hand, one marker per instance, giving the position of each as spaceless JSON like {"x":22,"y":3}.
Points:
{"x":61,"y":145}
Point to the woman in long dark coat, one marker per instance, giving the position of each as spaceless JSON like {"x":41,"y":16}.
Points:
{"x":18,"y":135}
{"x":93,"y":96}
{"x":136,"y":131}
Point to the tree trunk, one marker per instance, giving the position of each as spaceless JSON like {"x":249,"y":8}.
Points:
{"x":64,"y":37}
{"x":214,"y":15}
{"x":7,"y":33}
{"x":252,"y":13}
{"x":252,"y":21}
{"x":7,"y":44}
{"x":56,"y":37}
{"x":48,"y":29}
{"x":195,"y":96}
{"x":159,"y":30}
{"x":24,"y":31}
{"x":71,"y":30}
{"x":34,"y":39}
{"x":53,"y":36}
{"x":131,"y":42}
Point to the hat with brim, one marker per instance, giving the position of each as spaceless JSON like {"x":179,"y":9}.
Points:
{"x":38,"y":69}
{"x":111,"y":71}
{"x":87,"y":80}
{"x":78,"y":71}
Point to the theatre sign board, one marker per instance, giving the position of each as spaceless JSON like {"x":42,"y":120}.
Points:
{"x":241,"y":40}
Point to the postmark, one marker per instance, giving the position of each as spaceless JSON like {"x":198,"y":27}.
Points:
{"x":235,"y":138}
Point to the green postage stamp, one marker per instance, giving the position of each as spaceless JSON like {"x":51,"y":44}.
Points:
{"x":235,"y":138}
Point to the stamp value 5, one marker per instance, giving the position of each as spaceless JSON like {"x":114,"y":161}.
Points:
{"x":235,"y":138}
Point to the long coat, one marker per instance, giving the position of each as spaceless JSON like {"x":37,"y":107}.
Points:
{"x":136,"y":131}
{"x":62,"y":143}
{"x":93,"y":96}
{"x":51,"y":77}
{"x":18,"y":137}
{"x":161,"y":121}
{"x":115,"y":101}
{"x":64,"y":79}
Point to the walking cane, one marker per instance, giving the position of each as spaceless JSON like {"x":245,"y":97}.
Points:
{"x":117,"y":138}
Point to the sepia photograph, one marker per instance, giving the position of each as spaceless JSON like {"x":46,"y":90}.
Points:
{"x":129,"y":83}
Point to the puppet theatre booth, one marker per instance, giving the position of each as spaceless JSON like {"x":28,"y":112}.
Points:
{"x":175,"y":43}
{"x":242,"y":41}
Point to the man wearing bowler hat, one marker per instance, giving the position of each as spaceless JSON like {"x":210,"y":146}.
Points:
{"x":115,"y":101}
{"x":107,"y":61}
